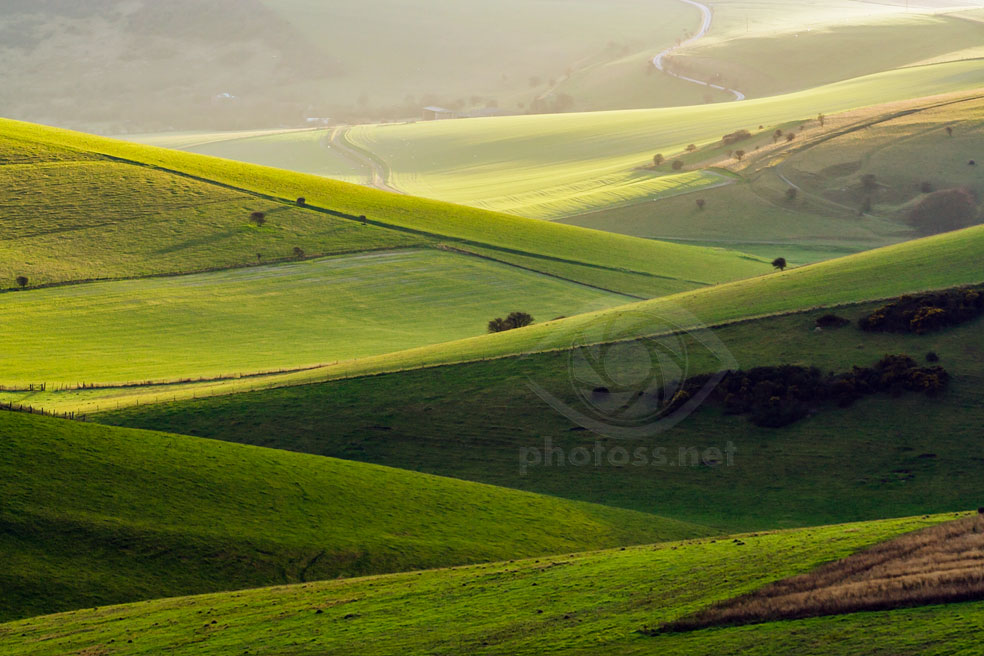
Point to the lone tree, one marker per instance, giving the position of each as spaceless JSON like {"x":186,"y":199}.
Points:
{"x":780,"y":263}
{"x":301,"y":201}
{"x":258,"y":218}
{"x":677,"y":164}
{"x":658,"y":159}
{"x":362,"y":218}
{"x":691,"y":148}
{"x":776,"y":135}
{"x":869,"y":182}
{"x":739,"y":155}
{"x":790,"y":137}
{"x":949,"y":130}
{"x":821,"y":119}
{"x":298,"y":252}
{"x":22,"y":281}
{"x":259,"y":256}
{"x":701,"y":203}
{"x":513,"y":321}
{"x":792,"y":193}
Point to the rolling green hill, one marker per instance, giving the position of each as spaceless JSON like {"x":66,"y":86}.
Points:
{"x":557,"y":165}
{"x":94,"y":515}
{"x":112,"y":217}
{"x":930,"y":263}
{"x":891,"y":456}
{"x":594,"y":603}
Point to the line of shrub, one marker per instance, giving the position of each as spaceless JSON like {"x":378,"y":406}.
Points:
{"x":926,"y":312}
{"x":773,"y":397}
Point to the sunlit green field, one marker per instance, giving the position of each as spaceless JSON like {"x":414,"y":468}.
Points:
{"x":95,"y":515}
{"x":904,"y":153}
{"x":268,"y":318}
{"x":594,"y":603}
{"x":330,"y":224}
{"x":556,"y":165}
{"x":931,"y":263}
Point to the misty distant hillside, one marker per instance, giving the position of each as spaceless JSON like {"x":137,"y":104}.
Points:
{"x":120,"y":65}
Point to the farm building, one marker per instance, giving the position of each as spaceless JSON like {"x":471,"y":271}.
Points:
{"x":438,"y":113}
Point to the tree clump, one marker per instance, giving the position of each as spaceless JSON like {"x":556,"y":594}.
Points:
{"x":943,"y":211}
{"x":773,"y":397}
{"x":735,"y":137}
{"x":513,"y":321}
{"x":925,"y":313}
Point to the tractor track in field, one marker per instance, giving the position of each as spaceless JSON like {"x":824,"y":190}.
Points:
{"x":379,"y":174}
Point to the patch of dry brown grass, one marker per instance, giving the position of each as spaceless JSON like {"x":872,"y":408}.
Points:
{"x":941,"y":564}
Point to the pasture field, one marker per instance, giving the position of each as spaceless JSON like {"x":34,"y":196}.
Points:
{"x":551,"y":166}
{"x":594,"y":603}
{"x":485,"y":421}
{"x":931,"y":263}
{"x":95,"y":515}
{"x":270,"y":317}
{"x":331,"y":222}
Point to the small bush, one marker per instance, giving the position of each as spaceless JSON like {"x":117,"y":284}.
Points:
{"x":832,"y":321}
{"x":677,"y":164}
{"x":932,"y":357}
{"x":298,"y":252}
{"x":258,"y":218}
{"x":926,"y":187}
{"x":735,"y":137}
{"x":701,"y":203}
{"x":301,"y":202}
{"x":792,"y":193}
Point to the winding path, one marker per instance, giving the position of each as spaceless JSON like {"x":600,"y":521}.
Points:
{"x":706,"y":16}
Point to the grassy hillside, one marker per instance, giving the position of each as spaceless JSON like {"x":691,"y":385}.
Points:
{"x":115,"y":240}
{"x":831,"y":43}
{"x":269,"y":318}
{"x":95,"y":515}
{"x":891,"y":456}
{"x":905,"y":146}
{"x":557,"y":165}
{"x":934,"y":262}
{"x":588,"y":603}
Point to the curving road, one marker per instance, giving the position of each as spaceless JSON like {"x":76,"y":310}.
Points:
{"x":706,"y":16}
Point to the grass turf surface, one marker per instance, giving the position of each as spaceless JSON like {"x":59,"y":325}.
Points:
{"x":931,"y":263}
{"x":590,"y":603}
{"x":269,"y":318}
{"x":198,"y":238}
{"x":95,"y":515}
{"x":482,"y":421}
